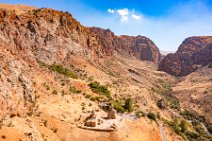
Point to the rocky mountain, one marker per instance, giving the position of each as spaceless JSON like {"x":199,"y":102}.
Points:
{"x":52,"y":37}
{"x":139,"y":47}
{"x":48,"y":59}
{"x":55,"y":73}
{"x":193,"y":53}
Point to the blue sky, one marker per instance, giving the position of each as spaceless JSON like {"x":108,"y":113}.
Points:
{"x":166,"y":22}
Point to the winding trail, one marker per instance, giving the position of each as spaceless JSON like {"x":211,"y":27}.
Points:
{"x":162,"y":133}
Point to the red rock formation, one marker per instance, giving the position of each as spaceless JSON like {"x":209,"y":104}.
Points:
{"x":52,"y":37}
{"x":192,"y":54}
{"x":140,"y":47}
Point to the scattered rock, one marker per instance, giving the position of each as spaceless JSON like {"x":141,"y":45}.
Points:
{"x":161,"y":104}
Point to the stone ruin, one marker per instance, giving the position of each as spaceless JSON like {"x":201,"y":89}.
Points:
{"x":91,"y":120}
{"x":111,"y":113}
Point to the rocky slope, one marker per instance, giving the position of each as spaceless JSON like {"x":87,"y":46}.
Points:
{"x":139,"y":47}
{"x":195,"y":93}
{"x":34,"y":47}
{"x":51,"y":37}
{"x":44,"y":34}
{"x":48,"y":61}
{"x":193,"y":53}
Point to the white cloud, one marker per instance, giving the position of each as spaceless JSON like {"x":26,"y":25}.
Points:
{"x":111,"y":11}
{"x":188,"y":18}
{"x":136,"y":17}
{"x":124,"y":14}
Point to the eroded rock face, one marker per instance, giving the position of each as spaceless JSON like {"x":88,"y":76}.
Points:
{"x":43,"y":34}
{"x":52,"y":37}
{"x":140,"y":47}
{"x":193,"y":53}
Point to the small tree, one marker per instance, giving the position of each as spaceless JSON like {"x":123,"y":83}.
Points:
{"x":128,"y":106}
{"x":151,"y":115}
{"x":184,"y":126}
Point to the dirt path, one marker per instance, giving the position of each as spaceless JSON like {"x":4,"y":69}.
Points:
{"x":162,"y":133}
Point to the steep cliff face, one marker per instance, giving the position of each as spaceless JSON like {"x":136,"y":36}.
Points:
{"x":140,"y":47}
{"x":192,"y":54}
{"x":44,"y":34}
{"x":52,"y":37}
{"x":31,"y":91}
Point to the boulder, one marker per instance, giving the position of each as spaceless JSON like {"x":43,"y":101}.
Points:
{"x":161,"y":104}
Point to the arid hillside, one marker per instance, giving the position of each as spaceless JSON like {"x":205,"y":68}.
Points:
{"x":56,"y":74}
{"x":47,"y":61}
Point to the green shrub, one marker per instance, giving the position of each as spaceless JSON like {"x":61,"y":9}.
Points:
{"x":87,"y":96}
{"x":118,"y":106}
{"x":184,"y":126}
{"x":54,"y":92}
{"x":175,"y":104}
{"x":46,"y":86}
{"x":162,"y":87}
{"x":151,"y":115}
{"x":62,"y":70}
{"x":100,"y":89}
{"x":96,"y":98}
{"x":36,"y":11}
{"x":54,"y":130}
{"x":74,"y":90}
{"x":42,"y":64}
{"x":140,"y":114}
{"x":174,"y":125}
{"x":191,"y":135}
{"x":187,"y":115}
{"x":128,"y":106}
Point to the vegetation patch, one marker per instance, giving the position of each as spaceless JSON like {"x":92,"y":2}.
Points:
{"x":42,"y":64}
{"x":54,"y":92}
{"x":118,"y":106}
{"x":151,"y":115}
{"x":161,"y":87}
{"x":74,"y":90}
{"x":123,"y":106}
{"x":59,"y":69}
{"x":99,"y":89}
{"x":128,"y":106}
{"x":174,"y":104}
{"x":62,"y":70}
{"x":192,"y":131}
{"x":140,"y":114}
{"x":46,"y":86}
{"x":36,"y":11}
